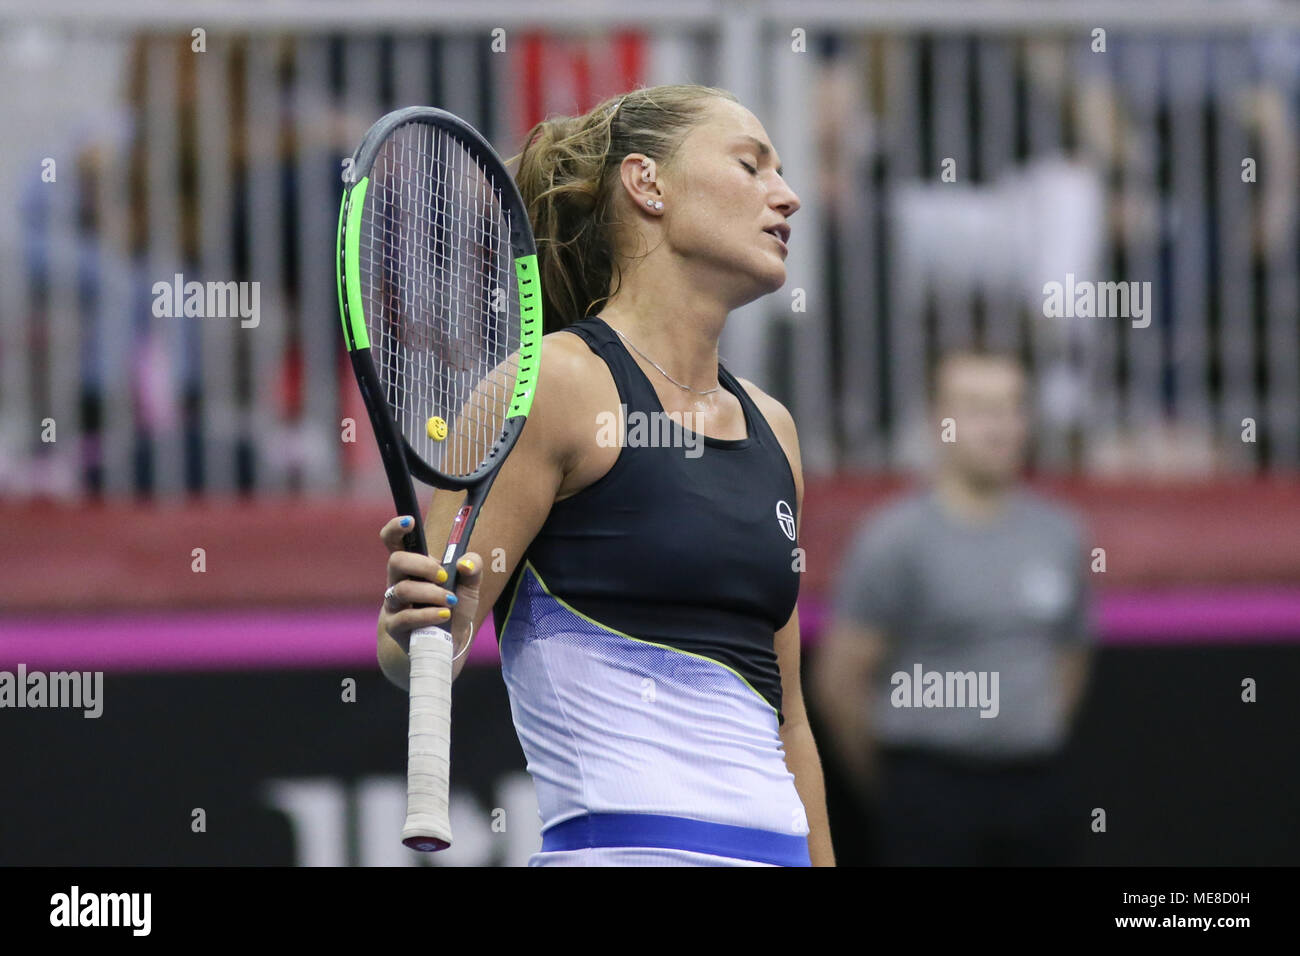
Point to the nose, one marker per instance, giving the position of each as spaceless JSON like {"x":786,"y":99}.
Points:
{"x":784,"y":199}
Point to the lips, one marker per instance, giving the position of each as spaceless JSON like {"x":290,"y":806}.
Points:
{"x":781,"y":234}
{"x":781,"y":231}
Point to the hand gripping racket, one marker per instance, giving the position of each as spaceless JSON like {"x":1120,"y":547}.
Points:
{"x":442,"y":315}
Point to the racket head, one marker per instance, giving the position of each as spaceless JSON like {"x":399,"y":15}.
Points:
{"x":439,"y":294}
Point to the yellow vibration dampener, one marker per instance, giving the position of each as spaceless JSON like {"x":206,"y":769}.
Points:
{"x":437,"y":428}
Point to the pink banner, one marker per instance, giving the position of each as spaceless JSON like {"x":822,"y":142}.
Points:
{"x":228,"y":640}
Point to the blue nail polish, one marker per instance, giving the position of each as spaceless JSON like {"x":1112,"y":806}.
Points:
{"x":452,"y":599}
{"x":405,"y":522}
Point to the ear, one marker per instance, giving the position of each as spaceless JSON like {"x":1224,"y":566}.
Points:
{"x":639,"y":176}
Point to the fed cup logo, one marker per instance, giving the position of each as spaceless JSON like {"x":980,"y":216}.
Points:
{"x":786,"y":518}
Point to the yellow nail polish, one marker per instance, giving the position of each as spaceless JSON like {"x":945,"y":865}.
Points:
{"x":444,"y":614}
{"x":467,"y":565}
{"x":440,"y":577}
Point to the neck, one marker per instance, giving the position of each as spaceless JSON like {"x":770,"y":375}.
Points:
{"x":672,"y":318}
{"x":973,"y":502}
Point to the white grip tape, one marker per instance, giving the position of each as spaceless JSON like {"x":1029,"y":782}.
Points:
{"x":428,"y":765}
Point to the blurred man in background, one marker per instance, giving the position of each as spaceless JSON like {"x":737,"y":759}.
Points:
{"x":960,"y":645}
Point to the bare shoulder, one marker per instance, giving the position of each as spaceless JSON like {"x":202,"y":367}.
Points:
{"x":777,"y":415}
{"x":571,"y":379}
{"x":570,"y":373}
{"x":566,"y":343}
{"x":780,"y":421}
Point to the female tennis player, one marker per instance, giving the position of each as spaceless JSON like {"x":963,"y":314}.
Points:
{"x":646,"y":609}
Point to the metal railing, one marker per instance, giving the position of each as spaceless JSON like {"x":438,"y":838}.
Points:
{"x":952,"y":161}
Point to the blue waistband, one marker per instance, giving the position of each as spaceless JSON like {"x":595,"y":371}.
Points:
{"x":676,"y":833}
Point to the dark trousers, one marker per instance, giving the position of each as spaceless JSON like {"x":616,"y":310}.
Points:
{"x":937,"y":810}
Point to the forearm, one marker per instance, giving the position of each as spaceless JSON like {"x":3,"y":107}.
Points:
{"x":393,"y":661}
{"x":803,"y":761}
{"x":395,"y":664}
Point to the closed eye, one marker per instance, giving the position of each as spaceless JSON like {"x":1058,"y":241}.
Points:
{"x":753,"y":171}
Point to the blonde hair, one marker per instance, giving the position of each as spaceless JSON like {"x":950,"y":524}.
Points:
{"x":568,"y":174}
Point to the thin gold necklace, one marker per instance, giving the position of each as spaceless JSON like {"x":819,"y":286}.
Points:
{"x":661,"y":370}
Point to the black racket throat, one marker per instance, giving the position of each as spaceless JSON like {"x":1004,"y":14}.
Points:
{"x":401,"y":464}
{"x":458,"y":540}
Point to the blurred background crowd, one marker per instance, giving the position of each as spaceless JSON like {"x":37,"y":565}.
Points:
{"x":952,"y":159}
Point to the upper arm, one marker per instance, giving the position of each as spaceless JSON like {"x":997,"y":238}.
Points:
{"x":525,"y":488}
{"x":856,"y":641}
{"x":786,"y":641}
{"x":781,"y":422}
{"x":786,"y":644}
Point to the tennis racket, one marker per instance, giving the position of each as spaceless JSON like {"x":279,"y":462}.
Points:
{"x":442,"y":316}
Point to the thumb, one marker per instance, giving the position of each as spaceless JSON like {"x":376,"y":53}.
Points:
{"x":469,"y":574}
{"x":395,"y":531}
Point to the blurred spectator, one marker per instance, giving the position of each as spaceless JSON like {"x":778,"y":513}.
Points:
{"x":116,"y":269}
{"x":981,"y":584}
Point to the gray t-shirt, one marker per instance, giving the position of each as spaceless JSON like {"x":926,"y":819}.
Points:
{"x":974,"y":619}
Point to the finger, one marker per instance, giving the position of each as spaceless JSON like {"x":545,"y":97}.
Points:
{"x":396,"y":529}
{"x":414,"y":618}
{"x":413,"y":591}
{"x":393,"y":601}
{"x":408,"y":564}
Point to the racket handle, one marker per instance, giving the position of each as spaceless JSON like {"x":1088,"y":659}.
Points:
{"x":428,"y":766}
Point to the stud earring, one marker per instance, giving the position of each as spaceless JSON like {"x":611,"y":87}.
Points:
{"x":654,"y":203}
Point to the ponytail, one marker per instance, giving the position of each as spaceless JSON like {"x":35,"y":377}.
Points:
{"x":567,"y":175}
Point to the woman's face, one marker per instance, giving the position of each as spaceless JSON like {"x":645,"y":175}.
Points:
{"x":726,"y":204}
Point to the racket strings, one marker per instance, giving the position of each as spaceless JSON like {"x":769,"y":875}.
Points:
{"x":440,"y":293}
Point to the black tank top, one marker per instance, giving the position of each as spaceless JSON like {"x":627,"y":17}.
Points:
{"x":696,"y":553}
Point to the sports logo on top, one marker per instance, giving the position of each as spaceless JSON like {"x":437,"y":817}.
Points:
{"x":786,"y":518}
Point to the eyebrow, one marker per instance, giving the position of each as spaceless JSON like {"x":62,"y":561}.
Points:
{"x":763,"y":149}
